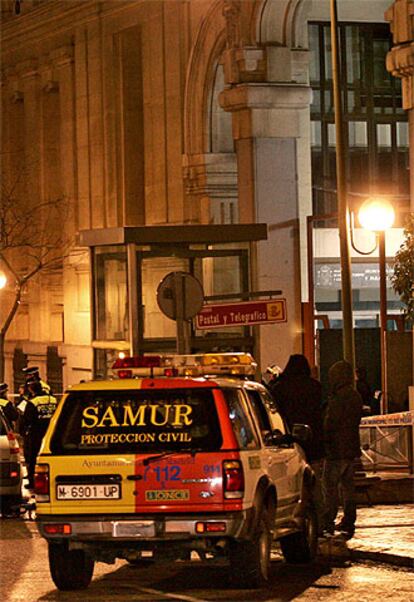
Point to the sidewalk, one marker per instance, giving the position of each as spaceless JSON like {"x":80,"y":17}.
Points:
{"x":383,"y":534}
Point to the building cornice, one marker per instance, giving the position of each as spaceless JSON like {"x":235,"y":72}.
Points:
{"x":55,"y":18}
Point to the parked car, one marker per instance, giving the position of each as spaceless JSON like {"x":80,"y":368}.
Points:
{"x":11,"y":472}
{"x":177,"y":454}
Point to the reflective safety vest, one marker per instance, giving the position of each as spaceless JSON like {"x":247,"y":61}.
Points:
{"x":45,"y":386}
{"x":9,"y":409}
{"x":45,"y":406}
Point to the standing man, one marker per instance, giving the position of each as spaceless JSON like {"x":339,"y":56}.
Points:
{"x":8,"y":406}
{"x":299,"y":399}
{"x":343,"y":446}
{"x":39,"y":409}
{"x":365,"y":390}
{"x":32,"y":373}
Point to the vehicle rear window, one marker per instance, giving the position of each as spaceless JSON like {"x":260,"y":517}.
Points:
{"x":137,"y":422}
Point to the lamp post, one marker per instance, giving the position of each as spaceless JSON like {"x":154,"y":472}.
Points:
{"x":3,"y":282}
{"x":378,"y":215}
{"x":348,"y":342}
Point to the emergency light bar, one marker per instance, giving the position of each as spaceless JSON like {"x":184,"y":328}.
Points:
{"x":209,"y":364}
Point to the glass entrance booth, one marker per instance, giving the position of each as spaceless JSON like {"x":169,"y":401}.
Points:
{"x":127,"y":265}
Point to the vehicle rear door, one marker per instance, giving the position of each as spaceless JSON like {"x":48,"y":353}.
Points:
{"x":155,"y":446}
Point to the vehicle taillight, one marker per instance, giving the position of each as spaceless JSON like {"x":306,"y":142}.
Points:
{"x":124,"y":373}
{"x":211,"y":527}
{"x":170,"y":372}
{"x":233,"y":479}
{"x":14,"y":445}
{"x":58,"y":528}
{"x":41,"y":483}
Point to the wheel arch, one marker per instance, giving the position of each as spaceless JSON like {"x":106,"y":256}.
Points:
{"x":265,"y":498}
{"x":308,"y":484}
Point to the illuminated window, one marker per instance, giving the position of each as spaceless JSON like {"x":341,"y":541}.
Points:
{"x":376,"y":124}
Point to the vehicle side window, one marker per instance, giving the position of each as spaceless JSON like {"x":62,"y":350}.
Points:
{"x":242,"y":426}
{"x":259,"y":411}
{"x":275,"y":418}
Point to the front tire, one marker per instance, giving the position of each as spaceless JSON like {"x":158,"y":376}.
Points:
{"x":302,"y":547}
{"x":250,"y":560}
{"x":70,"y":569}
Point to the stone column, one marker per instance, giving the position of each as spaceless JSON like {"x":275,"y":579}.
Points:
{"x":269,"y":130}
{"x":211,"y":183}
{"x":30,"y":81}
{"x":64,"y":72}
{"x":400,"y":62}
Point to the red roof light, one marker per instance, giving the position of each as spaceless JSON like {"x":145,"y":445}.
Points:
{"x":138,"y":361}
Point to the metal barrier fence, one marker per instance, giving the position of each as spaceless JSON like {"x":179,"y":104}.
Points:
{"x":387,"y":442}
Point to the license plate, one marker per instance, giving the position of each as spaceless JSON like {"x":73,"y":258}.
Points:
{"x":88,"y":492}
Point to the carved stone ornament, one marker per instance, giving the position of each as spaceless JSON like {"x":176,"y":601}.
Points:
{"x":232,"y":15}
{"x":400,"y":62}
{"x":244,"y":65}
{"x":400,"y":59}
{"x":401,"y":18}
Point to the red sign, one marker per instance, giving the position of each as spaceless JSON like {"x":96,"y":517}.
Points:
{"x":244,"y":313}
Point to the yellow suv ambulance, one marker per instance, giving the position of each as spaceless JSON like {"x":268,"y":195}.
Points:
{"x":175,"y":454}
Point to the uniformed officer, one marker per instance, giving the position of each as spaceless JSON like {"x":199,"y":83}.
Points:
{"x":8,"y":406}
{"x":38,"y":411}
{"x":32,"y":373}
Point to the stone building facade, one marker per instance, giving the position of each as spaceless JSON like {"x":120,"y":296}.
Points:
{"x":167,"y":112}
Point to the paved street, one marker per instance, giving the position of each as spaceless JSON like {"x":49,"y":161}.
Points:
{"x":386,"y":533}
{"x":25,"y":573}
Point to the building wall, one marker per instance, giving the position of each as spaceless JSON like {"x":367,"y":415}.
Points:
{"x":163,"y":112}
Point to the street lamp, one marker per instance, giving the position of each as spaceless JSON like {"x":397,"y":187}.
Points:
{"x":3,"y":279}
{"x":377,"y":214}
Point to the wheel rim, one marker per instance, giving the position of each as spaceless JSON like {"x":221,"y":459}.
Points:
{"x":310,"y":531}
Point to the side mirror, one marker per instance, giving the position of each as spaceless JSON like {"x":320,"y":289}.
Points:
{"x":278,"y":438}
{"x":302,"y":433}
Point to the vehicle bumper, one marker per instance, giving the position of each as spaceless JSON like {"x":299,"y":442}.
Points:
{"x":145,"y":528}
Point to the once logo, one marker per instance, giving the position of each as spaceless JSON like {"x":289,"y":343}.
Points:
{"x":167,"y":495}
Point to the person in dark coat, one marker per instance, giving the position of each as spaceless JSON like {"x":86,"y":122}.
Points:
{"x":365,"y":390}
{"x":343,"y":446}
{"x":39,"y":408}
{"x":8,"y":407}
{"x":31,"y":373}
{"x":299,"y":399}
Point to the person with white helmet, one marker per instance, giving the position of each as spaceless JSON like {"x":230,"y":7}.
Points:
{"x":271,"y":375}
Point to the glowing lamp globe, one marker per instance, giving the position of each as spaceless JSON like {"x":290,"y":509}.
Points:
{"x":3,"y":280}
{"x":376,"y":214}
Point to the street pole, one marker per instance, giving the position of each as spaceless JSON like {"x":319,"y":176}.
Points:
{"x":133,"y":317}
{"x":344,"y":237}
{"x":181,"y":303}
{"x":383,"y":320}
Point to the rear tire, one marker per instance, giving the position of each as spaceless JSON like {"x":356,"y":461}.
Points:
{"x":70,"y":569}
{"x":250,"y":560}
{"x":301,"y":547}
